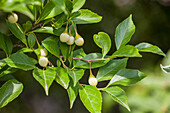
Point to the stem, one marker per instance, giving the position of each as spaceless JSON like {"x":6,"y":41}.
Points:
{"x":36,"y":40}
{"x":74,"y":27}
{"x":51,"y":64}
{"x":62,"y":62}
{"x":18,"y":27}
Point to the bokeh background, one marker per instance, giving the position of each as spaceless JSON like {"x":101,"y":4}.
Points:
{"x":151,"y":95}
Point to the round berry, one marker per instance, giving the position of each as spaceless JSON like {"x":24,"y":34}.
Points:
{"x":64,"y":37}
{"x":43,"y":52}
{"x":43,"y":61}
{"x":13,"y":18}
{"x":79,"y":41}
{"x":93,"y":81}
{"x":70,"y":41}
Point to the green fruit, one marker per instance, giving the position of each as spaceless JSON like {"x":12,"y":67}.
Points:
{"x":43,"y":52}
{"x":93,"y":81}
{"x":79,"y":41}
{"x":43,"y":61}
{"x":70,"y":41}
{"x":13,"y":18}
{"x":64,"y":37}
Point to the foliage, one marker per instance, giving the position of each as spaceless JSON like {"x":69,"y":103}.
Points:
{"x":56,"y":17}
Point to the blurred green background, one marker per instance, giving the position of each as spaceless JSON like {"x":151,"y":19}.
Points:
{"x":151,"y":95}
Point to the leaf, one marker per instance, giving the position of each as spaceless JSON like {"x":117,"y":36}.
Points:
{"x":76,"y":75}
{"x":72,"y":93}
{"x":25,"y":50}
{"x":65,"y":49}
{"x":21,"y":61}
{"x":5,"y":43}
{"x":46,"y":10}
{"x":91,"y":98}
{"x":51,"y":44}
{"x":60,"y":20}
{"x":111,"y":68}
{"x":79,"y":52}
{"x":9,"y":91}
{"x":103,"y":41}
{"x":87,"y":17}
{"x":54,"y":12}
{"x":95,"y":64}
{"x":62,"y":76}
{"x":166,"y":69}
{"x":49,"y":30}
{"x":77,"y":4}
{"x":127,"y":77}
{"x":69,"y":6}
{"x":18,"y":6}
{"x":61,"y":4}
{"x":7,"y":70}
{"x":7,"y":77}
{"x":17,"y":31}
{"x":31,"y":40}
{"x":44,"y":77}
{"x":118,"y":95}
{"x":27,"y":26}
{"x":146,"y":47}
{"x":126,"y":51}
{"x":124,"y":32}
{"x":75,"y":14}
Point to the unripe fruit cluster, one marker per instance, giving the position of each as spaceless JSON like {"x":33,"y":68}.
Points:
{"x":93,"y":81}
{"x":43,"y":60}
{"x":13,"y":18}
{"x":70,"y":40}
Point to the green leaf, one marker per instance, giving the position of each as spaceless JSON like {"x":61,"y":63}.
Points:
{"x":50,"y":10}
{"x":7,"y":77}
{"x":95,"y":64}
{"x":126,"y":51}
{"x":87,"y":17}
{"x":146,"y":47}
{"x":17,"y":31}
{"x":27,"y":26}
{"x":118,"y":95}
{"x":166,"y":69}
{"x":79,"y":52}
{"x":25,"y":50}
{"x":111,"y":68}
{"x":76,"y":75}
{"x":44,"y":77}
{"x":60,"y":20}
{"x":124,"y":32}
{"x":65,"y":49}
{"x":77,"y":4}
{"x":9,"y":91}
{"x":69,"y":6}
{"x":50,"y":30}
{"x":51,"y":44}
{"x":127,"y":77}
{"x":75,"y":14}
{"x":54,"y":12}
{"x":5,"y":43}
{"x":7,"y":70}
{"x":91,"y":98}
{"x":18,"y":6}
{"x":62,"y":76}
{"x":61,"y":4}
{"x":21,"y":61}
{"x":46,"y":10}
{"x":103,"y":41}
{"x":72,"y":93}
{"x":31,"y":40}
